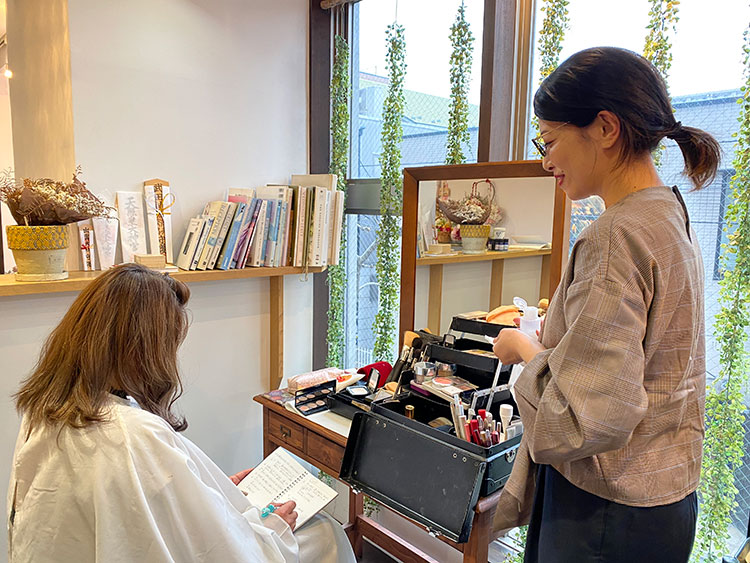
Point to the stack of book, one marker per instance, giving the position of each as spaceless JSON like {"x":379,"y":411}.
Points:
{"x":274,"y":225}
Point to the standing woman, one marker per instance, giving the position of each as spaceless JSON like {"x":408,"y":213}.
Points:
{"x":100,"y":471}
{"x":612,"y":397}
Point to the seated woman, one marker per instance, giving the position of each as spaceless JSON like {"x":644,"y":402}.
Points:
{"x":100,"y":471}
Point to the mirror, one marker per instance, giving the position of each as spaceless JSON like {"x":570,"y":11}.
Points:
{"x":439,"y":282}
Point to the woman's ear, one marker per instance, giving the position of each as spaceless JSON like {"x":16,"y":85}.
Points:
{"x":607,"y":129}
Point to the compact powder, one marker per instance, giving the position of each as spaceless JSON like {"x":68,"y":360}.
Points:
{"x":357,"y":391}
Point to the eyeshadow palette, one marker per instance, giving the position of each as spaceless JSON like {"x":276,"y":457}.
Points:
{"x":313,"y":399}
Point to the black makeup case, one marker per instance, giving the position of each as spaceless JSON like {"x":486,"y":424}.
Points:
{"x":425,"y":473}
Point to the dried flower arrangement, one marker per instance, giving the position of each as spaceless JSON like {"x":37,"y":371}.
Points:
{"x":42,"y":201}
{"x":472,"y":209}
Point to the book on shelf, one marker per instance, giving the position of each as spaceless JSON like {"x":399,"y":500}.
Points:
{"x":288,"y":242}
{"x":337,"y":224}
{"x":225,"y":256}
{"x":280,"y":478}
{"x":273,"y":234}
{"x":208,"y":225}
{"x":217,"y":210}
{"x":190,"y":243}
{"x":300,"y":224}
{"x":256,"y":249}
{"x":245,"y":236}
{"x":226,"y":223}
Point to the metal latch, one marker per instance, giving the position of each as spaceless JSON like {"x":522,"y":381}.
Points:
{"x":433,"y":533}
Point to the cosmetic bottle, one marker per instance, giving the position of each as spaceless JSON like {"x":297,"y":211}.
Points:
{"x":530,"y":321}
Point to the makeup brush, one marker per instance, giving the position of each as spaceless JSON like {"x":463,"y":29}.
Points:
{"x":409,"y":337}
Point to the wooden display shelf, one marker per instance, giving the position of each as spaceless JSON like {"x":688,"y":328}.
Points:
{"x":489,"y":255}
{"x":435,"y":296}
{"x":78,"y":280}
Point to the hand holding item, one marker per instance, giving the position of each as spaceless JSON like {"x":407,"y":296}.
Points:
{"x":512,"y":346}
{"x":286,"y":512}
{"x":237,"y":477}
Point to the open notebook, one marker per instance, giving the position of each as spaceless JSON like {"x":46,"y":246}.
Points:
{"x":280,"y":478}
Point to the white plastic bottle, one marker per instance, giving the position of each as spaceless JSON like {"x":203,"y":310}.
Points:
{"x":530,"y":321}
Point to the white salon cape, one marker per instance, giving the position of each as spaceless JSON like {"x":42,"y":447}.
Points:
{"x":133,"y":490}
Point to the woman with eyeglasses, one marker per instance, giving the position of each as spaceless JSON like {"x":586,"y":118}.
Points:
{"x":101,"y":471}
{"x":612,"y":395}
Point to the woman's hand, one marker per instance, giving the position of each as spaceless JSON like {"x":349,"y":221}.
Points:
{"x":237,"y":477}
{"x":287,"y":513}
{"x":513,"y":346}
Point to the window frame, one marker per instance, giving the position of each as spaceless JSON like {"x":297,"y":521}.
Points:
{"x":505,"y":74}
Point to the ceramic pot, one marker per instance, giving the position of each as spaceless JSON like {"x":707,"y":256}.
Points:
{"x":474,"y":238}
{"x":39,"y":251}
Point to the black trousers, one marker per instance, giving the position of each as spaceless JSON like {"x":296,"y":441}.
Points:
{"x":569,"y":525}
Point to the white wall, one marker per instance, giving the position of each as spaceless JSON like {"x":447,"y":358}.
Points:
{"x":206,"y":94}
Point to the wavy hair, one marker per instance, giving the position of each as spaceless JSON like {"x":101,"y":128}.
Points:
{"x":121,"y":333}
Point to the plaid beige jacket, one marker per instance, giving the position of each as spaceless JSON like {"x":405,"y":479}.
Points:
{"x":616,"y":402}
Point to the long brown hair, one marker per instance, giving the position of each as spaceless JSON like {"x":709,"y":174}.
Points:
{"x":628,"y":85}
{"x":122,"y":332}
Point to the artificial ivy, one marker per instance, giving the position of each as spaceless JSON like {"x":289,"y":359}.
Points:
{"x":462,"y":41}
{"x":658,"y":49}
{"x":555,"y":24}
{"x":725,"y":405}
{"x":340,"y":93}
{"x":391,"y":189}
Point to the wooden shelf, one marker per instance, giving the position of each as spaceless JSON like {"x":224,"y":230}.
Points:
{"x":489,"y":255}
{"x":78,"y":280}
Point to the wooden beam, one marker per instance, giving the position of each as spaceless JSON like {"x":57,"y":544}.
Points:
{"x":496,"y":94}
{"x":321,"y":59}
{"x":496,"y":284}
{"x":435,"y":299}
{"x":276,"y":329}
{"x":408,"y":255}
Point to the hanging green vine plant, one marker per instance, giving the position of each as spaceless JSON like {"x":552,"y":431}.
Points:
{"x":658,"y":48}
{"x":340,"y":93}
{"x":391,"y":189}
{"x":555,"y":24}
{"x":462,"y":41}
{"x":725,"y":405}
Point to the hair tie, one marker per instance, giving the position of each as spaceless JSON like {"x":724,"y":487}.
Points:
{"x":676,"y":128}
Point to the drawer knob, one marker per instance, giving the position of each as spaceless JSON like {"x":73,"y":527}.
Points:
{"x":285,"y":432}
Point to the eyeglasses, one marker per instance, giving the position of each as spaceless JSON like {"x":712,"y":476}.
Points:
{"x":539,"y":143}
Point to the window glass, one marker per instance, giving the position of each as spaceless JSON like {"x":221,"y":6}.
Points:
{"x":425,"y":124}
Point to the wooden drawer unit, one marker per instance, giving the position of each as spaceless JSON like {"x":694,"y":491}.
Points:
{"x":286,"y":431}
{"x":324,"y":451}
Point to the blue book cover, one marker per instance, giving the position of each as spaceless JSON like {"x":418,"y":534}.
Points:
{"x":273,"y":235}
{"x":244,"y":238}
{"x":225,"y":258}
{"x":270,"y":212}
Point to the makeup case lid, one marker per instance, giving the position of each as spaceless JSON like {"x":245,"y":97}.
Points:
{"x":440,"y":491}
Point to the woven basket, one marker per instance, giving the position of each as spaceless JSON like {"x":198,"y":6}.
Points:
{"x":50,"y":237}
{"x":452,"y":208}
